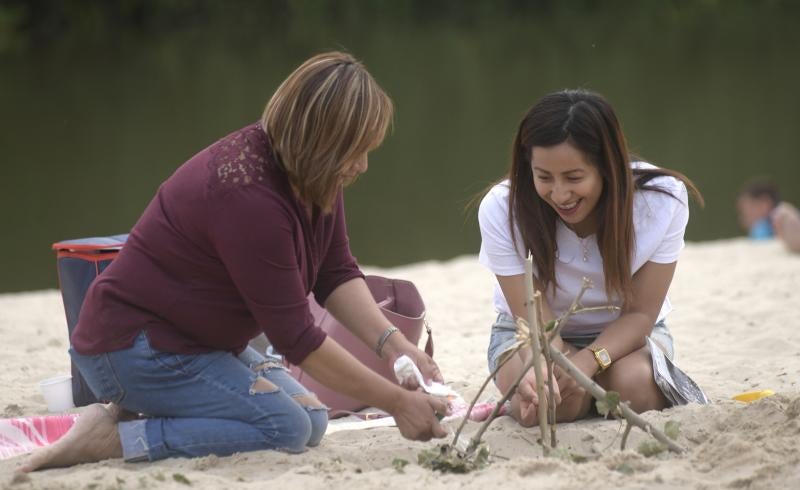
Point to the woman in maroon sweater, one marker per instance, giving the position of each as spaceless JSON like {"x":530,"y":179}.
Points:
{"x":231,"y":246}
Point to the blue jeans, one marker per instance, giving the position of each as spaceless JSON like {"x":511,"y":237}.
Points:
{"x":201,"y":404}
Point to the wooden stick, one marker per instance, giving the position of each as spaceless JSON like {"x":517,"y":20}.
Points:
{"x":536,"y":350}
{"x":556,"y":357}
{"x":562,"y":320}
{"x":476,"y":439}
{"x":599,"y":393}
{"x":628,"y":428}
{"x":576,"y":308}
{"x":483,"y":387}
{"x":551,"y":400}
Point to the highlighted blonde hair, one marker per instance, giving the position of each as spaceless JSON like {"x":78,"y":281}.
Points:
{"x":326,"y":114}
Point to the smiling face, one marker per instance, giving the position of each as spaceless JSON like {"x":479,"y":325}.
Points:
{"x":566,"y":180}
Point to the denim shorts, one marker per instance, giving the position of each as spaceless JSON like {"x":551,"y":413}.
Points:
{"x":504,"y":330}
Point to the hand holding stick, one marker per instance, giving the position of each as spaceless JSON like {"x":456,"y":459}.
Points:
{"x":599,"y":393}
{"x":529,"y":333}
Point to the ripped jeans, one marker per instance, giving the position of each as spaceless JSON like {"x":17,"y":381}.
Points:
{"x":201,"y":404}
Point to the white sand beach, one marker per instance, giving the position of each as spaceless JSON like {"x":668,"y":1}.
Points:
{"x":736,"y":325}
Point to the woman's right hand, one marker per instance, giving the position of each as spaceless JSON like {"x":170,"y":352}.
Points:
{"x":413,"y":411}
{"x":415,"y":415}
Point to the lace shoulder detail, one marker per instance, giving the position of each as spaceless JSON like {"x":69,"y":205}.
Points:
{"x":238,"y":159}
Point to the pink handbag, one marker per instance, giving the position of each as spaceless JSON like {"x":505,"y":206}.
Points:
{"x":402,"y":305}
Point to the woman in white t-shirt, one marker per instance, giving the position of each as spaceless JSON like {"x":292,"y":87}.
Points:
{"x":576,"y":200}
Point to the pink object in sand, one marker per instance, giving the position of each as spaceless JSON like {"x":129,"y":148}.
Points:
{"x":24,"y":434}
{"x":479,"y":413}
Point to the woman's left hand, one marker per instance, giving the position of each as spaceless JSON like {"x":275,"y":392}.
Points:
{"x":397,"y":346}
{"x":575,"y":399}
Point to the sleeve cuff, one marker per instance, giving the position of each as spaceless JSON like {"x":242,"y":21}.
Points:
{"x":322,"y":291}
{"x":307,"y":344}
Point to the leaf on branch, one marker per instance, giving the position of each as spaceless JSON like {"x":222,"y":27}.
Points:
{"x":399,"y":464}
{"x":608,"y":405}
{"x":427,"y":458}
{"x":550,"y":326}
{"x":482,"y":457}
{"x":650,"y":448}
{"x":672,"y":429}
{"x":448,"y":459}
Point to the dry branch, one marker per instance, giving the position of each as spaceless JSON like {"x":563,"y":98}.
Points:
{"x":476,"y":439}
{"x":599,"y":393}
{"x":535,"y":327}
{"x":551,"y":400}
{"x":533,"y":333}
{"x":491,"y":376}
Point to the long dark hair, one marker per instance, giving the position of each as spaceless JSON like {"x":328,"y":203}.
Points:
{"x":587,"y":121}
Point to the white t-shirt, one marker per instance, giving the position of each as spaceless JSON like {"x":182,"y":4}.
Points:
{"x":659,"y":223}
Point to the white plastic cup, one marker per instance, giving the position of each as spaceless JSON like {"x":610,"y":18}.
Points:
{"x":57,"y":393}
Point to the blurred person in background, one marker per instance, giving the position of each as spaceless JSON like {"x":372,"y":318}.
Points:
{"x":786,"y":222}
{"x":764,"y":215}
{"x":754,"y":204}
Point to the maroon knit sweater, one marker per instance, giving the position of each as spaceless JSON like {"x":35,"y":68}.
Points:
{"x":224,"y":251}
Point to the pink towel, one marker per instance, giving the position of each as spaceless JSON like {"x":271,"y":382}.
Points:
{"x":24,"y":434}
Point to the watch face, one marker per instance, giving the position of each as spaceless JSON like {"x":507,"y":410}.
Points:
{"x":603,"y":359}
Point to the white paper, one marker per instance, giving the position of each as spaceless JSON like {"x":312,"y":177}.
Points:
{"x":404,"y":369}
{"x":336,"y":426}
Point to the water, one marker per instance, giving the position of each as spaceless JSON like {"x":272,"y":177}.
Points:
{"x":91,"y":123}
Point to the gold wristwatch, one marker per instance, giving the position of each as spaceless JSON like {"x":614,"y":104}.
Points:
{"x":602,"y":358}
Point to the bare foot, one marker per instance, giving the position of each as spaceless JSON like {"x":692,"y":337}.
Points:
{"x":94,"y":437}
{"x":120,"y":414}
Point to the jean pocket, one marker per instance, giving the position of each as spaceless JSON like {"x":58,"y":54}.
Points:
{"x":149,"y":356}
{"x":99,"y":376}
{"x":184,"y":364}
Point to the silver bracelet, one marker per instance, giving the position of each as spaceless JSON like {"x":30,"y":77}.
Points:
{"x":384,"y":337}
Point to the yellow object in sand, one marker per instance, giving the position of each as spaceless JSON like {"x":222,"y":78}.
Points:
{"x":750,"y":396}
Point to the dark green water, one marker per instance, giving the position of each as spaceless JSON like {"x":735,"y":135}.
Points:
{"x":91,"y":124}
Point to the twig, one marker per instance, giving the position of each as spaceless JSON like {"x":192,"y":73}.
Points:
{"x":625,"y":436}
{"x":476,"y":439}
{"x":576,"y":308}
{"x":536,"y":349}
{"x":587,"y":383}
{"x":511,"y":354}
{"x":531,"y":333}
{"x":599,"y":393}
{"x":551,"y":400}
{"x":622,"y":422}
{"x":576,"y":304}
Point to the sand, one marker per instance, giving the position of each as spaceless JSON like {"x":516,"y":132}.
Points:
{"x":737,"y":328}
